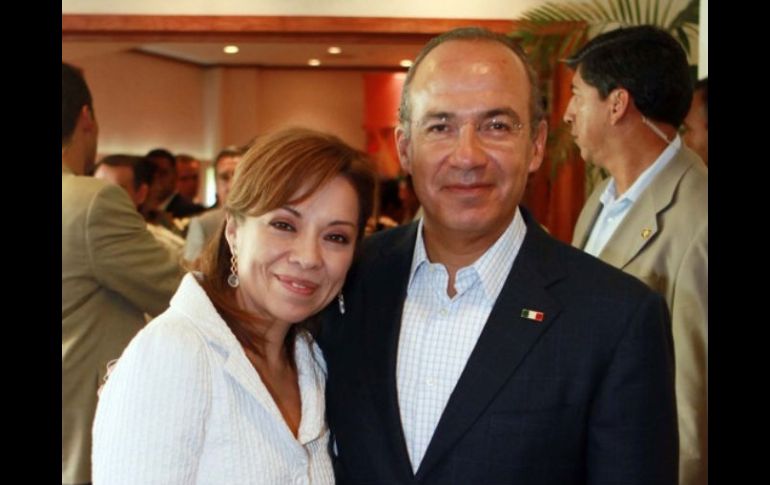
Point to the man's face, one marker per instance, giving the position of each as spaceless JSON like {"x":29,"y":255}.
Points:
{"x":188,"y":178}
{"x":123,"y":176}
{"x":470,"y":146}
{"x":224,"y":172}
{"x":164,"y":183}
{"x":696,"y":128}
{"x":588,"y":116}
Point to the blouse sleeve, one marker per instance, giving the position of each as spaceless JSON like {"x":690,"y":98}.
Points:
{"x":150,"y":420}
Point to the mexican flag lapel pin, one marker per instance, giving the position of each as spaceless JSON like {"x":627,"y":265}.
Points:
{"x":532,"y":315}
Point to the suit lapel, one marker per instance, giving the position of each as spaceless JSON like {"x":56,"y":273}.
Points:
{"x":384,"y":300}
{"x":640,"y":226}
{"x":588,"y":216}
{"x":633,"y":234}
{"x":506,"y":339}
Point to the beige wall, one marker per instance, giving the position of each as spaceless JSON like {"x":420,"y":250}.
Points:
{"x":331,"y":101}
{"x":253,"y":101}
{"x":143,"y":102}
{"x":239,"y":97}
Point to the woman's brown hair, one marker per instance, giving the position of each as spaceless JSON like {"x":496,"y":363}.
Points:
{"x":272,"y":171}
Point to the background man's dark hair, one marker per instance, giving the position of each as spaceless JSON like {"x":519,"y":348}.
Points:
{"x":162,"y":153}
{"x":478,"y":34}
{"x":231,"y":151}
{"x":74,"y":95}
{"x":646,"y":61}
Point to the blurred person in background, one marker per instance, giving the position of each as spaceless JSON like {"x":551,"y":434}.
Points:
{"x":135,"y":175}
{"x":695,"y":130}
{"x":188,"y":179}
{"x":203,"y":227}
{"x":163,"y":197}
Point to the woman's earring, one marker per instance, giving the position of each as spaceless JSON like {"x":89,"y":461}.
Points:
{"x":341,"y":302}
{"x":232,"y":280}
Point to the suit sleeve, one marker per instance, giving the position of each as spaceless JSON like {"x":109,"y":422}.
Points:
{"x":632,"y":434}
{"x":195,"y":239}
{"x":689,"y":308}
{"x":125,"y":257}
{"x":152,"y":412}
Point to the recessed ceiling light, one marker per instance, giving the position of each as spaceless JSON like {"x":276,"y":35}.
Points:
{"x":314,"y":62}
{"x":231,"y":49}
{"x":334,"y":50}
{"x":406,"y":63}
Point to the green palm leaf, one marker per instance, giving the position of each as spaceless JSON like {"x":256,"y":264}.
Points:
{"x":597,"y":15}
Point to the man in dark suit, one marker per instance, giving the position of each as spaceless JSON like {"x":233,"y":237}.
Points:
{"x":163,"y":193}
{"x":472,"y":348}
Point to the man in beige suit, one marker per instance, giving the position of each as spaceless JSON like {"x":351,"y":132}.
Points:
{"x":113,"y":271}
{"x":631,"y":91}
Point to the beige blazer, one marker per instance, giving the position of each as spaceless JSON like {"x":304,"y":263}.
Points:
{"x":113,"y":271}
{"x":201,"y":229}
{"x":663,"y":241}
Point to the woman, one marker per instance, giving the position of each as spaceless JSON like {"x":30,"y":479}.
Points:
{"x":226,"y":386}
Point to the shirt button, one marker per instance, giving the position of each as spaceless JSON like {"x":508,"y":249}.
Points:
{"x":443,"y":312}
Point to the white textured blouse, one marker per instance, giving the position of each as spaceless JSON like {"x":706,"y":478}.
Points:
{"x":184,"y":405}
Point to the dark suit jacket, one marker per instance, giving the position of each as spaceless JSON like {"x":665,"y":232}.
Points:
{"x":584,"y":397}
{"x":179,"y":207}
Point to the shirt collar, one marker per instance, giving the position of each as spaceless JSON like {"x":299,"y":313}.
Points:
{"x":632,"y":194}
{"x":419,"y":255}
{"x":164,"y":204}
{"x":492,"y":267}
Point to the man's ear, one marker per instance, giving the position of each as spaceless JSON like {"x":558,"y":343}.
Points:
{"x":619,"y":100}
{"x":538,"y":146}
{"x":403,"y":142}
{"x":86,"y":119}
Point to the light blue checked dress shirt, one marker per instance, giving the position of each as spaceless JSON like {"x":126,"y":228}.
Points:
{"x":614,"y":209}
{"x":438,"y":333}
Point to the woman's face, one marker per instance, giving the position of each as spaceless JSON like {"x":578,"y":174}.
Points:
{"x":293,"y":260}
